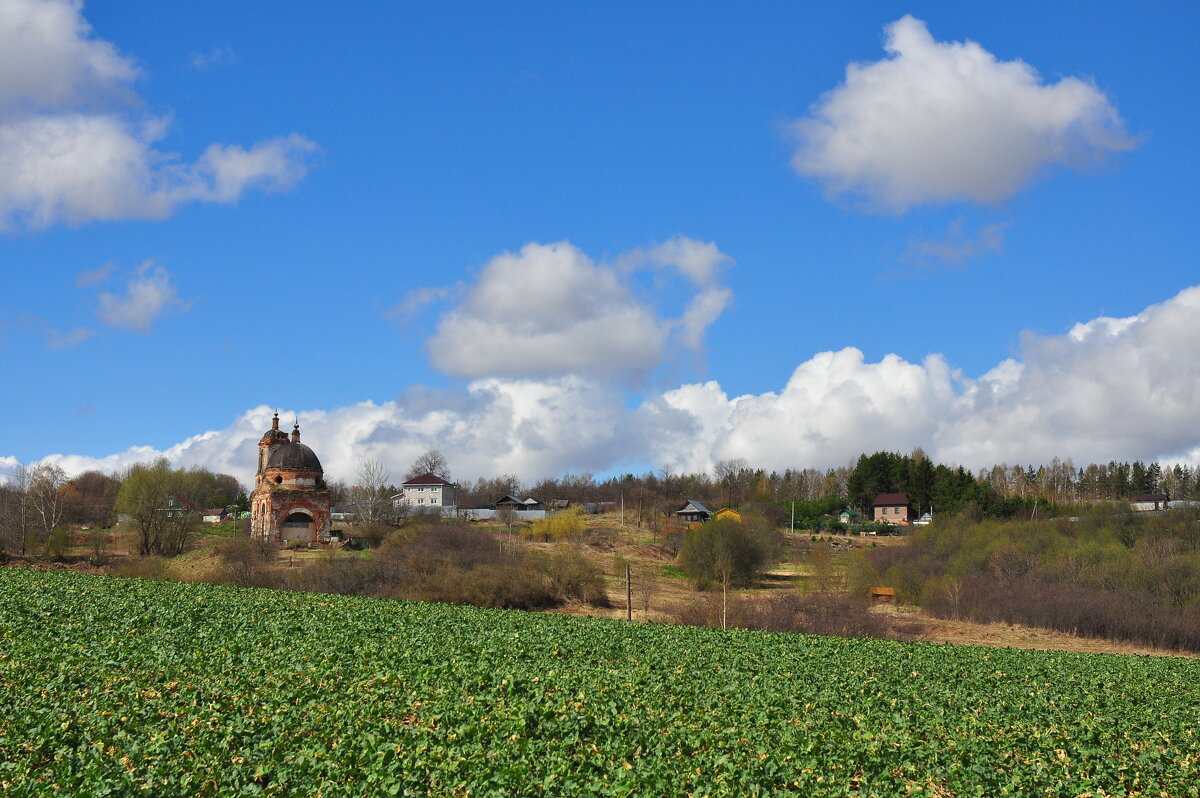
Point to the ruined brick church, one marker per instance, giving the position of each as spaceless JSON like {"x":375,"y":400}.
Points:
{"x":290,"y":499}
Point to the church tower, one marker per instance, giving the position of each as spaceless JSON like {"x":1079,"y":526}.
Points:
{"x":290,"y":499}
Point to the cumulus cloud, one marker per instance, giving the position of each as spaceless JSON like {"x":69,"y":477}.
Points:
{"x":1107,"y":389}
{"x":73,"y":148}
{"x":833,"y":407}
{"x":533,"y":428}
{"x":947,"y":121}
{"x":148,"y":294}
{"x":550,"y":310}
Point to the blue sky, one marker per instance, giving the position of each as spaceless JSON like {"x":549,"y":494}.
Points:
{"x":209,"y":211}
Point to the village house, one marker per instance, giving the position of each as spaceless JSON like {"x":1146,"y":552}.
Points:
{"x":426,"y":492}
{"x":512,"y":502}
{"x":892,"y":508}
{"x":693,"y":512}
{"x":213,"y":516}
{"x":1149,"y":502}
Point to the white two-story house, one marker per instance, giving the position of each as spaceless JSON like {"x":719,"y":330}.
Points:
{"x":426,"y":492}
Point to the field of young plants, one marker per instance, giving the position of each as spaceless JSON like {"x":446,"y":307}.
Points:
{"x":122,"y":687}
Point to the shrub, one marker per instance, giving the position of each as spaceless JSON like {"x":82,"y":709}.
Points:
{"x":138,"y":567}
{"x":572,"y":576}
{"x":567,"y":525}
{"x":247,"y":562}
{"x":725,"y":552}
{"x":58,"y":543}
{"x":837,"y":615}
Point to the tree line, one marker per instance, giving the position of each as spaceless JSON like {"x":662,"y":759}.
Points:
{"x":35,"y":500}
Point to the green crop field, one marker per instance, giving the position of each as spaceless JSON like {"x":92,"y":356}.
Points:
{"x":123,"y":687}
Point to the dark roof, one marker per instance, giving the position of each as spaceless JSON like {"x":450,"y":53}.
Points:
{"x":696,"y":507}
{"x":427,"y":479}
{"x":294,"y":457}
{"x":890,"y":499}
{"x":1150,"y":497}
{"x":508,"y":500}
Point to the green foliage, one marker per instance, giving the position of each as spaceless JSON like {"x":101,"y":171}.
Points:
{"x":58,"y":543}
{"x":810,"y":513}
{"x":1108,"y":572}
{"x":119,"y":687}
{"x":725,"y":552}
{"x":567,"y":525}
{"x":155,"y":499}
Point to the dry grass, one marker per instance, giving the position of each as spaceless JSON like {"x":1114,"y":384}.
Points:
{"x":659,"y":591}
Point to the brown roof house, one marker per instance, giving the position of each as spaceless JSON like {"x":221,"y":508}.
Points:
{"x":892,"y":508}
{"x":290,"y":499}
{"x":1149,"y":502}
{"x":426,"y":493}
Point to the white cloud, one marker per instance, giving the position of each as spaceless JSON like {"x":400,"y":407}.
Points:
{"x":1108,"y":389}
{"x":49,"y":59}
{"x":550,"y":310}
{"x":72,"y":149}
{"x":533,"y":428}
{"x":833,"y":407}
{"x":947,"y":121}
{"x":148,"y":294}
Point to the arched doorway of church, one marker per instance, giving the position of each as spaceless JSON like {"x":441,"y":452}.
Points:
{"x":298,"y":526}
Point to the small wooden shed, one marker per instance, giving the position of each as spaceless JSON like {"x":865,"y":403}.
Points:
{"x":883,"y":595}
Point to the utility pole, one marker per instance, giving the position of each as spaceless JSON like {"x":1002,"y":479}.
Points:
{"x":628,"y":592}
{"x":622,"y":508}
{"x":792,"y":527}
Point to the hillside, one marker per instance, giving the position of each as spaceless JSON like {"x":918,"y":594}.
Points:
{"x":128,"y":686}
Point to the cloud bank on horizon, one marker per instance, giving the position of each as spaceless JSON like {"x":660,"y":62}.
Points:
{"x":1107,"y":389}
{"x":940,"y":122}
{"x":73,"y":147}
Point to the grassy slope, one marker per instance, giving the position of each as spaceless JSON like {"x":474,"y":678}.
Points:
{"x":125,"y":685}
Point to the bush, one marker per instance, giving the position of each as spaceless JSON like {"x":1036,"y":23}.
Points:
{"x":247,"y":562}
{"x":572,"y":576}
{"x":58,"y":543}
{"x":138,"y":567}
{"x":837,"y":615}
{"x":725,"y":552}
{"x":567,"y":525}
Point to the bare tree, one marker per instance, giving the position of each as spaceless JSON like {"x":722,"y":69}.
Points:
{"x":728,"y":474}
{"x":15,"y":508}
{"x":369,"y":496}
{"x":647,"y":586}
{"x":432,"y":462}
{"x":47,"y":498}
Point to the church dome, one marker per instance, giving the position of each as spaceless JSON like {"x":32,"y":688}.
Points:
{"x":294,"y":456}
